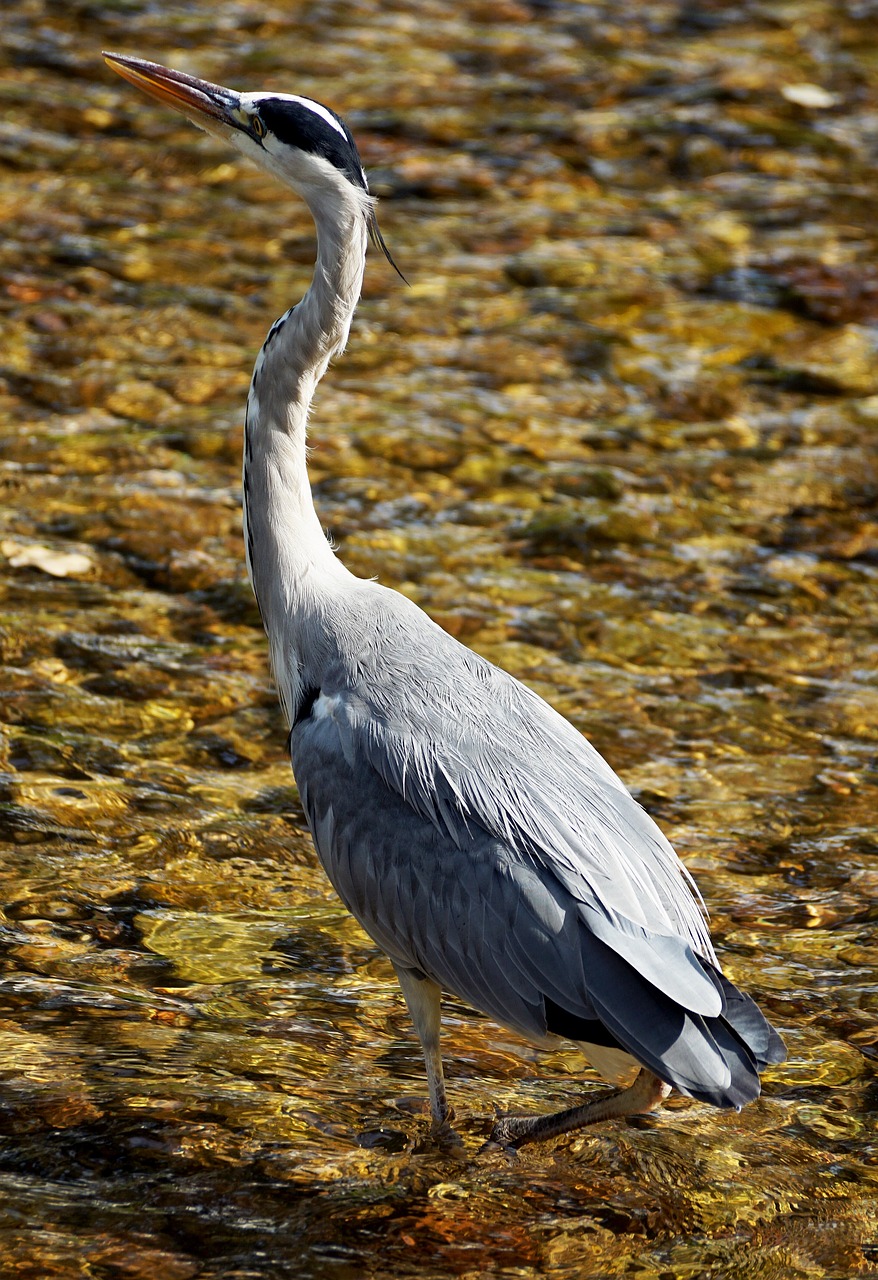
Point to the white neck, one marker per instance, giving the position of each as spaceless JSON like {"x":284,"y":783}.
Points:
{"x":290,"y":562}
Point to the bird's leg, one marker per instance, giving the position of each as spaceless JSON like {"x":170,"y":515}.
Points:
{"x":643,"y":1095}
{"x":423,"y":999}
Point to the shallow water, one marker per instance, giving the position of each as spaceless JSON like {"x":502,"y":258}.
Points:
{"x":619,"y":435}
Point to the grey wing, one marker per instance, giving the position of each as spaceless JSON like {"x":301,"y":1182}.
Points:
{"x":486,"y":914}
{"x":466,"y":745}
{"x":429,"y":905}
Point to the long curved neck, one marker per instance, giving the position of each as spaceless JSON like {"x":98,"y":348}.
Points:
{"x":290,"y":562}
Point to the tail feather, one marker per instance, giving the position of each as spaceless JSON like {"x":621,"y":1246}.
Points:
{"x":714,"y":1059}
{"x":748,"y":1021}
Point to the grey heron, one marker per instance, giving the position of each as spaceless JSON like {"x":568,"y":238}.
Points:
{"x":479,"y":839}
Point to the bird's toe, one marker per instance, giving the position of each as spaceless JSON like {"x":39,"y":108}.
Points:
{"x":508,"y":1133}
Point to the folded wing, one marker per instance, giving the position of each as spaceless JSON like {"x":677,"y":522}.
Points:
{"x":481,"y":840}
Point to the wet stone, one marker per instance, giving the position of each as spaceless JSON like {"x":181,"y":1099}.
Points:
{"x":140,"y":401}
{"x":843,"y":363}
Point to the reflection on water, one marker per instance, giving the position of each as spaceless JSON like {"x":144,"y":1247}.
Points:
{"x":618,"y":436}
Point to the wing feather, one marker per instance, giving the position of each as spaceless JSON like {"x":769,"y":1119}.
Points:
{"x":466,"y":745}
{"x":479,"y":839}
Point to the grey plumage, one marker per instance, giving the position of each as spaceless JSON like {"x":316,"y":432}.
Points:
{"x":500,"y":856}
{"x":479,"y":839}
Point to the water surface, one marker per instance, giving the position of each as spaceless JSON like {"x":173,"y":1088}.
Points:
{"x":619,"y":436}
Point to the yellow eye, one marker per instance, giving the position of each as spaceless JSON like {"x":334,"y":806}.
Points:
{"x":258,"y":127}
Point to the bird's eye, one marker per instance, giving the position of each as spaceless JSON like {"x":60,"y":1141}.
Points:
{"x":258,"y":127}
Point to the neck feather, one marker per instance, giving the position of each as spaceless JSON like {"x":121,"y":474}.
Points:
{"x":290,"y":562}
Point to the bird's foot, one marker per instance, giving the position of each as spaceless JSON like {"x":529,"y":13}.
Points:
{"x":644,"y":1095}
{"x":504,"y":1137}
{"x":507,"y":1133}
{"x":442,"y":1134}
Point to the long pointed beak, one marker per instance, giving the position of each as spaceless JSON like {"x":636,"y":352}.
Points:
{"x":210,"y":106}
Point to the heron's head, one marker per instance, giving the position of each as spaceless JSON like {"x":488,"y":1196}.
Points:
{"x":297,"y":139}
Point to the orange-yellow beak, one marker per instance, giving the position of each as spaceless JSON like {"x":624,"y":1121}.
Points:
{"x":210,"y":106}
